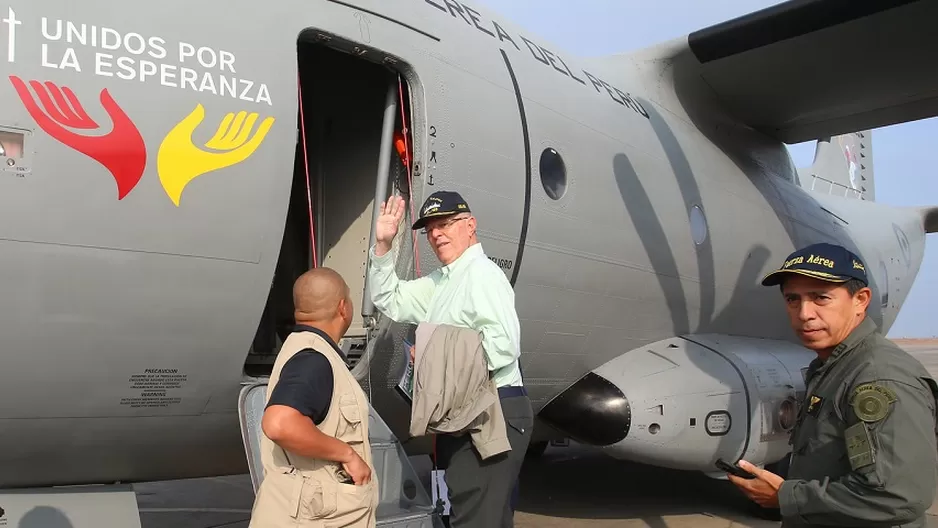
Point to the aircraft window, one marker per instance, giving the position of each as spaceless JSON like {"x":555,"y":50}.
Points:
{"x":553,"y":174}
{"x":698,"y":225}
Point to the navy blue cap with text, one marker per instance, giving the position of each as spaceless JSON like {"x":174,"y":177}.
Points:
{"x":441,"y":203}
{"x":823,"y":261}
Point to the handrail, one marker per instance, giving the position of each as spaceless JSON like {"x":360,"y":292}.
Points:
{"x":381,"y":190}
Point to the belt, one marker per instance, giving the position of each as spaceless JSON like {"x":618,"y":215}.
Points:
{"x":511,"y":392}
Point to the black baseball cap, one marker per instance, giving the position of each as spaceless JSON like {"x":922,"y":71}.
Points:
{"x":441,"y":203}
{"x":827,"y":262}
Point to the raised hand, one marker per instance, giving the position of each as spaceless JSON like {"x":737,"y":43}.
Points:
{"x":389,"y":218}
{"x":121,"y":151}
{"x":180,"y":161}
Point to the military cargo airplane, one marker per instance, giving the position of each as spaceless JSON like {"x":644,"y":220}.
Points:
{"x":169,"y":169}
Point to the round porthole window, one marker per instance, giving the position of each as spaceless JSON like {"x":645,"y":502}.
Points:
{"x":698,"y":225}
{"x":553,"y":174}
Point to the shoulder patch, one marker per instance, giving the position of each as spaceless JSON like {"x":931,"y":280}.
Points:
{"x":871,"y":402}
{"x":859,"y":448}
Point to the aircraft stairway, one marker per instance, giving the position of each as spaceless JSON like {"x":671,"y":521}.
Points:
{"x":404,"y":503}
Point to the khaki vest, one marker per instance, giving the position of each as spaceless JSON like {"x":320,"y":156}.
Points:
{"x":306,"y":492}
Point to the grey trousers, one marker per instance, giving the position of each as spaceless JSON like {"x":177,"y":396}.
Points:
{"x":480,"y":490}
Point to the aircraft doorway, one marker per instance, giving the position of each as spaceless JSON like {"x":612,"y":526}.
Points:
{"x":342,"y":118}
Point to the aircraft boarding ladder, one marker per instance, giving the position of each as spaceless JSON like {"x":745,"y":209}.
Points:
{"x":404,"y":503}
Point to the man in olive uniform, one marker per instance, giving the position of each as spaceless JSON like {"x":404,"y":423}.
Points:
{"x":315,"y":450}
{"x":864,"y":447}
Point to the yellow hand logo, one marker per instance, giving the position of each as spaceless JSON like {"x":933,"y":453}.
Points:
{"x":179,"y":161}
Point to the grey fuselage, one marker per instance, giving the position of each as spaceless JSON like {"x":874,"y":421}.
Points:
{"x":137,"y":258}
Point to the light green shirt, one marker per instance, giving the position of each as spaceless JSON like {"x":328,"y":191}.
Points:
{"x":471,"y":292}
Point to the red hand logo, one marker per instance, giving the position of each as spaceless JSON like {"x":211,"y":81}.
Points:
{"x":122,"y":150}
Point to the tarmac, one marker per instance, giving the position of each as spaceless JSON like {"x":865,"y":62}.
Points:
{"x":569,"y":487}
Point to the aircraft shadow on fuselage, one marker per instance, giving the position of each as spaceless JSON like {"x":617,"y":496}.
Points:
{"x":611,"y":488}
{"x":690,"y":192}
{"x":739,"y":143}
{"x":652,"y":233}
{"x":596,"y":487}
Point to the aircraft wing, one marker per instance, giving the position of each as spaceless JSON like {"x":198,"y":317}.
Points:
{"x":806,"y":69}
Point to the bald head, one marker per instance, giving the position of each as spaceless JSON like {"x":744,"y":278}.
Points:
{"x":321,"y":297}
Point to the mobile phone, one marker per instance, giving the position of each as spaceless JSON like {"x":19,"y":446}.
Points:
{"x":734,"y":469}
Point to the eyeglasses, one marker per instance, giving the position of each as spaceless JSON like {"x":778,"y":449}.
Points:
{"x":443,"y":226}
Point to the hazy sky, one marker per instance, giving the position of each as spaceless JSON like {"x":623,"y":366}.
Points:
{"x":903,"y":172}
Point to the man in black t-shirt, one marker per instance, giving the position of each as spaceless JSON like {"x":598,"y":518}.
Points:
{"x":306,"y":380}
{"x":304,"y":389}
{"x":315,"y":449}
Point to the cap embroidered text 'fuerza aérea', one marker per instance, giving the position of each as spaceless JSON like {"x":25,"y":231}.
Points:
{"x":827,"y":262}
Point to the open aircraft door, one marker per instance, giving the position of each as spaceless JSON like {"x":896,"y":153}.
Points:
{"x":403,"y":501}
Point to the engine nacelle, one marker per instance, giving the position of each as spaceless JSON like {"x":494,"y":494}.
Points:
{"x":684,"y":402}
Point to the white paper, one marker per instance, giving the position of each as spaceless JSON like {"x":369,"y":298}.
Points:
{"x":406,"y":384}
{"x":439,"y":489}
